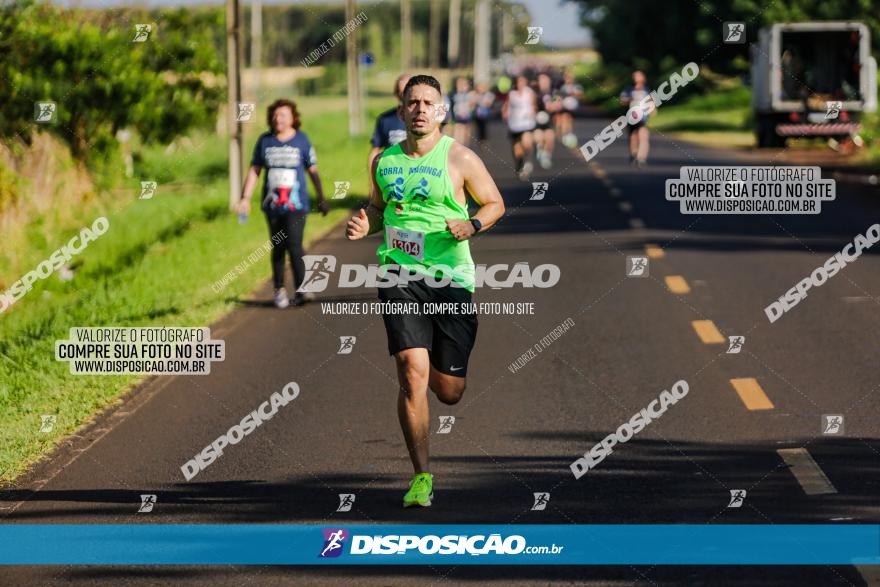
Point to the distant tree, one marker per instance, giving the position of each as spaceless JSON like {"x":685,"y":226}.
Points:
{"x":101,"y":81}
{"x":659,"y":36}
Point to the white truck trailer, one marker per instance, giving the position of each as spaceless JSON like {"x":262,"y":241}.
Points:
{"x":811,"y":79}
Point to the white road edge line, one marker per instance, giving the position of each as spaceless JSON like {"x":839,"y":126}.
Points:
{"x":806,"y":471}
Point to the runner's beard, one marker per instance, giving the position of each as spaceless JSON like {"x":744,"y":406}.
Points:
{"x":422,"y":131}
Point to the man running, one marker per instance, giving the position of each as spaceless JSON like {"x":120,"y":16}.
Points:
{"x":520,"y":110}
{"x":572,"y":93}
{"x":549,"y":103}
{"x":418,"y":194}
{"x":463,"y":104}
{"x":638,"y":132}
{"x":389,"y":127}
{"x":483,"y":112}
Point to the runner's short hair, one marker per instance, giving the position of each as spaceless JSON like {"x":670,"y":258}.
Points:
{"x":422,"y":80}
{"x":281,"y":103}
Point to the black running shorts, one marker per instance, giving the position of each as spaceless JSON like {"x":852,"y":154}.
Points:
{"x":634,"y":127}
{"x":449,"y":337}
{"x":516,"y":135}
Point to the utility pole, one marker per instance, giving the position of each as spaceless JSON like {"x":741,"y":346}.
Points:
{"x":233,"y":89}
{"x":482,"y":32}
{"x":355,"y":114}
{"x":454,"y":33}
{"x":506,"y":31}
{"x":435,"y":34}
{"x":405,"y":35}
{"x":498,"y":25}
{"x":257,"y":41}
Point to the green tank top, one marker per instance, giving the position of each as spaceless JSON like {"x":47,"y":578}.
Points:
{"x":419,"y":198}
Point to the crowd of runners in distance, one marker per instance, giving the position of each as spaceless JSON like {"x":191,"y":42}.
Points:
{"x":537,"y":105}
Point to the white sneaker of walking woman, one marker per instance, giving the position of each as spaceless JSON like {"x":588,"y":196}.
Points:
{"x":281,"y":299}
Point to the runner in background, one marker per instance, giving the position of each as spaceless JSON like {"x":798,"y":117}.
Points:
{"x":485,"y":100}
{"x":463,"y":103}
{"x":504,"y":85}
{"x":519,"y":111}
{"x":390,"y":129}
{"x":638,"y":132}
{"x":287,"y":155}
{"x":549,"y":103}
{"x":572,"y":93}
{"x":445,"y":125}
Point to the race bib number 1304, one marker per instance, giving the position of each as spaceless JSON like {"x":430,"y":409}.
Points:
{"x":411,"y":242}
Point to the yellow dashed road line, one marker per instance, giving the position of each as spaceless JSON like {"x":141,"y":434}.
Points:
{"x":751,"y":394}
{"x":654,"y":252}
{"x":678,"y":285}
{"x":707,"y":331}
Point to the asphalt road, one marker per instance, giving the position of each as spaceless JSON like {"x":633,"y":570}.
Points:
{"x":517,"y":433}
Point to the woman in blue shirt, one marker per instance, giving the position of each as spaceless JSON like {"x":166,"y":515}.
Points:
{"x":287,"y":155}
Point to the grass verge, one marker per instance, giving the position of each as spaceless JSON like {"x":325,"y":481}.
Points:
{"x":156,"y":265}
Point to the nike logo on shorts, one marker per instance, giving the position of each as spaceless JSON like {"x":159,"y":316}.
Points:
{"x":456,"y":368}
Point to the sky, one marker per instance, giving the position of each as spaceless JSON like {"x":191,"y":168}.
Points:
{"x":559,"y":19}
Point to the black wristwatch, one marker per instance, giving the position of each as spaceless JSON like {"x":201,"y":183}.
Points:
{"x":476,"y":224}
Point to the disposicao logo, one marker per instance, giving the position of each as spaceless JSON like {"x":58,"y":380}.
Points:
{"x":334,"y":540}
{"x":453,"y":544}
{"x":320,"y":268}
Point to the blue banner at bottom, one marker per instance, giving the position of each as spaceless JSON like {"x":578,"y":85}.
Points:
{"x":483,"y":544}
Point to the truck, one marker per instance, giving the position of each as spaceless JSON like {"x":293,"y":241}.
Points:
{"x":811,"y":79}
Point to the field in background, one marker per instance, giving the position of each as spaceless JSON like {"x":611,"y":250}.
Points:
{"x":722,"y":118}
{"x":156,"y":265}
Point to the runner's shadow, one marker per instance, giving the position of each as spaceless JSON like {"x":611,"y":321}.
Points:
{"x":643,"y":481}
{"x":267,"y":303}
{"x":252,"y":303}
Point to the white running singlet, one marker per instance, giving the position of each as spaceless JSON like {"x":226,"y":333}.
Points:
{"x":521,"y":110}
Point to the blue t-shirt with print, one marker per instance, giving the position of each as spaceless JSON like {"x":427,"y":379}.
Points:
{"x":284,"y":187}
{"x":636,"y":96}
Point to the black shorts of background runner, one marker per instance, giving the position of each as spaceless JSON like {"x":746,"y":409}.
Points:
{"x":292,"y":225}
{"x":634,"y":127}
{"x":481,"y":128}
{"x":517,"y":135}
{"x":449,"y":337}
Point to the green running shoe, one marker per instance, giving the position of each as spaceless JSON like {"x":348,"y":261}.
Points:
{"x":421,"y":491}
